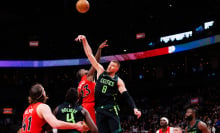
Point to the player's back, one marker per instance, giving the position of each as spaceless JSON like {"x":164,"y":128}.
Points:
{"x":32,"y":123}
{"x":67,"y":112}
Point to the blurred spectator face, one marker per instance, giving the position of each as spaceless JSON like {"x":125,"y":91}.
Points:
{"x":177,"y":130}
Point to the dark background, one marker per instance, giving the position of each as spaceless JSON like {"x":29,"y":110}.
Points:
{"x":55,"y":24}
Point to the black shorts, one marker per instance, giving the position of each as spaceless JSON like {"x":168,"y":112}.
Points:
{"x":108,"y":120}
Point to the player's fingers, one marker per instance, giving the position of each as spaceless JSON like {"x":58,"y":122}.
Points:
{"x":139,"y":115}
{"x":103,"y":43}
{"x":77,"y":38}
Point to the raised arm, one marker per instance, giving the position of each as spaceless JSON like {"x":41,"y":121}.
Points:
{"x":45,"y":112}
{"x":122,"y":89}
{"x":97,"y":57}
{"x":88,"y":51}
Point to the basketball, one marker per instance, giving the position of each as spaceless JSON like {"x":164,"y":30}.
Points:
{"x":82,"y":6}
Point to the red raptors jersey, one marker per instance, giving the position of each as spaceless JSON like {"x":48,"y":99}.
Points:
{"x":87,"y":90}
{"x":169,"y":130}
{"x":32,"y":123}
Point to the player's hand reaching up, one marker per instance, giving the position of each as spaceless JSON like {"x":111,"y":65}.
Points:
{"x":137,"y":113}
{"x":103,"y":44}
{"x":80,"y":38}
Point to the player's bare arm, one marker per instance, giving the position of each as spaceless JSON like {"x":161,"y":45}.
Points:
{"x":88,"y":51}
{"x":45,"y":112}
{"x":122,"y":89}
{"x":121,"y":86}
{"x":203,"y":127}
{"x":97,"y":57}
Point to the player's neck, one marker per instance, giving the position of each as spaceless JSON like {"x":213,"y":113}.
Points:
{"x":164,"y":129}
{"x":192,"y":122}
{"x":111,"y":74}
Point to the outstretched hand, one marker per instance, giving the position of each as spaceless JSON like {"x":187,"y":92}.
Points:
{"x":80,"y":38}
{"x":137,"y":113}
{"x":103,"y":44}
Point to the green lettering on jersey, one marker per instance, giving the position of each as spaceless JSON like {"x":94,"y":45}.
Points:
{"x":107,"y":82}
{"x":70,"y":117}
{"x":66,"y":110}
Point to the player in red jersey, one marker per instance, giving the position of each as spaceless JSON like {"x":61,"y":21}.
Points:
{"x":37,"y":114}
{"x":86,"y":86}
{"x":165,"y":128}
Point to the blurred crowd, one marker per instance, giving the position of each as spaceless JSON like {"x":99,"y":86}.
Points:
{"x":174,"y":108}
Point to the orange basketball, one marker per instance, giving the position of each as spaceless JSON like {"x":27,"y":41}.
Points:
{"x":82,"y":6}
